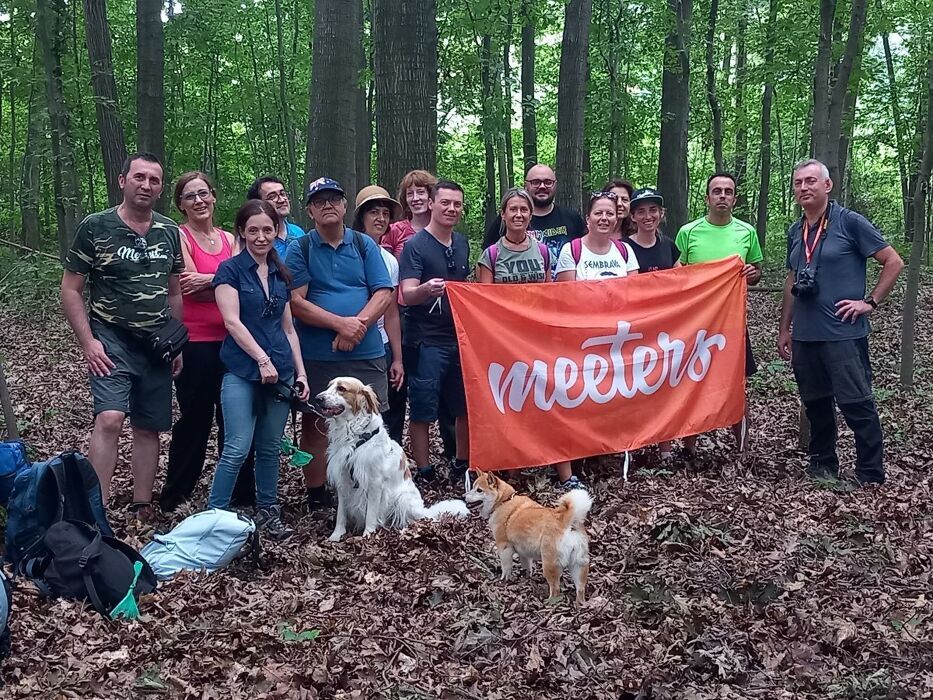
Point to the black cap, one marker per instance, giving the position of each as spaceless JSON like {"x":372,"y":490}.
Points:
{"x":646,"y":194}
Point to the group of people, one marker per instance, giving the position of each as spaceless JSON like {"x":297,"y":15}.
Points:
{"x":273,"y":312}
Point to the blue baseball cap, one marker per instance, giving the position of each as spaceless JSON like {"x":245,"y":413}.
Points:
{"x":322,"y":184}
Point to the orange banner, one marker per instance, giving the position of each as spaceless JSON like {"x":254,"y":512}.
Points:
{"x":573,"y":369}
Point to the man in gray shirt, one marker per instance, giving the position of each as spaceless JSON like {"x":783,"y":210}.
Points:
{"x":825,"y":302}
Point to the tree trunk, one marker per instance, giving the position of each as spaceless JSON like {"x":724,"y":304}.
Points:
{"x":106,"y":101}
{"x":366,"y":93}
{"x":9,"y":417}
{"x":49,"y":23}
{"x":509,"y":169}
{"x":571,"y":98}
{"x":257,"y":87}
{"x":916,"y":248}
{"x":741,"y":130}
{"x":529,"y":125}
{"x":898,"y":133}
{"x":487,"y":130}
{"x":764,"y":187}
{"x":711,"y":97}
{"x":405,"y":48}
{"x":675,"y":115}
{"x":31,"y":234}
{"x":335,"y":94}
{"x":14,"y":60}
{"x":150,"y":85}
{"x":819,"y":133}
{"x":283,"y":86}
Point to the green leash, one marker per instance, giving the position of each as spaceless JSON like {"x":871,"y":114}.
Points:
{"x":127,"y":608}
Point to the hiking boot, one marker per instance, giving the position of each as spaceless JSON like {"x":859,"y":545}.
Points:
{"x":572,"y":484}
{"x":457,"y":471}
{"x":318,"y":497}
{"x":817,"y":470}
{"x":269,"y":522}
{"x":425,"y":474}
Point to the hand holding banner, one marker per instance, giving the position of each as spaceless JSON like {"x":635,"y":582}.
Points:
{"x":568,"y":370}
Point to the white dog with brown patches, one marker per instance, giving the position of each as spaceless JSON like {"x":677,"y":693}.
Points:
{"x":367,"y":469}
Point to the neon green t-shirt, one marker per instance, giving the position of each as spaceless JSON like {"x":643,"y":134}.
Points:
{"x":700,"y":241}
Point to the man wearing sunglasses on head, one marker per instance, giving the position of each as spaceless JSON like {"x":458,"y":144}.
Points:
{"x":340,"y":289}
{"x":552,"y":225}
{"x":432,"y":257}
{"x":130,"y":257}
{"x":273,"y":190}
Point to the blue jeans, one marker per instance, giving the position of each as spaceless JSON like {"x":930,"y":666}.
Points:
{"x":241,"y":401}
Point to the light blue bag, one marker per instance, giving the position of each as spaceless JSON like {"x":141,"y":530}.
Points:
{"x":205,"y":541}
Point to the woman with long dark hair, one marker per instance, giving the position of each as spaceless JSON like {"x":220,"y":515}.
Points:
{"x":261,"y":354}
{"x":623,"y":190}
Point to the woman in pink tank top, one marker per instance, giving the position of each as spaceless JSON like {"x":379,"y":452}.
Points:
{"x":197,"y":388}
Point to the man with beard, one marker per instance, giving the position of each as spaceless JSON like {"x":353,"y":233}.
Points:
{"x":130,"y":257}
{"x":272,"y":189}
{"x":715,"y":236}
{"x":552,"y":225}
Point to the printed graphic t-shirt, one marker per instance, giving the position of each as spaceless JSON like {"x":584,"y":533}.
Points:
{"x":516,"y":266}
{"x":555,"y":229}
{"x":596,"y":266}
{"x":127,"y":275}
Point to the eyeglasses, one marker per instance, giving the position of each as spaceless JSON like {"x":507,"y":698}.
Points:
{"x":141,"y":246}
{"x":191,"y":196}
{"x":270,"y":307}
{"x":608,"y":195}
{"x":274,"y":196}
{"x":332,"y":199}
{"x":537,"y":183}
{"x":449,"y":254}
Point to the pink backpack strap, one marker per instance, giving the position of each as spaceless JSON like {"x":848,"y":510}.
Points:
{"x":576,"y":250}
{"x":622,"y":249}
{"x":493,"y":251}
{"x":545,"y":255}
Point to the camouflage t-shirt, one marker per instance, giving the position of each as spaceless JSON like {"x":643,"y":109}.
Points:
{"x":127,"y":274}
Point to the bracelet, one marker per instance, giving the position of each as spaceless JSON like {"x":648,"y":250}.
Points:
{"x":263,"y":363}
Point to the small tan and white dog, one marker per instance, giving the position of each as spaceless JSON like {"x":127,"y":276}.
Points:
{"x":554,"y":536}
{"x":367,"y":469}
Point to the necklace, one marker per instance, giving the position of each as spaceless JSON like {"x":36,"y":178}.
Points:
{"x":517,"y":242}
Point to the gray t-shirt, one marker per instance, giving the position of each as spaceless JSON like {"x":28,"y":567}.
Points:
{"x":839,"y":261}
{"x":515,"y":266}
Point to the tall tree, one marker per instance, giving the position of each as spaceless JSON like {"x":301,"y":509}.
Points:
{"x":764,"y":183}
{"x":741,"y":79}
{"x":150,"y":84}
{"x":711,"y":96}
{"x":898,"y":132}
{"x":50,"y":18}
{"x":353,"y":18}
{"x":31,"y":233}
{"x":106,"y":102}
{"x":529,"y":122}
{"x":571,"y":98}
{"x":675,"y":114}
{"x":831,"y":84}
{"x":333,"y":115}
{"x":488,"y":128}
{"x":366,"y":93}
{"x":921,"y":192}
{"x":405,"y":51}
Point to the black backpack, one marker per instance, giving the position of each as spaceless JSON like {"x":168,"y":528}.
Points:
{"x":85,"y":565}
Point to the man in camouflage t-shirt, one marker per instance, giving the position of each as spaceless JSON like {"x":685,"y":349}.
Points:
{"x":130,"y":258}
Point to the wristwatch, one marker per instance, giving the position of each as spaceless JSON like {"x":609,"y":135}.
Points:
{"x":870,"y":300}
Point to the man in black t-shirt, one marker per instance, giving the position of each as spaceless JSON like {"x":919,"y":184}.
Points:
{"x":431,"y":257}
{"x":552,"y":225}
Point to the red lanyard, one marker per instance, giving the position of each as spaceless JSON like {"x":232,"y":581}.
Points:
{"x":820,"y":230}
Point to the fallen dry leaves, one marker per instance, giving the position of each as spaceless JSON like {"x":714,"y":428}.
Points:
{"x":726,"y":581}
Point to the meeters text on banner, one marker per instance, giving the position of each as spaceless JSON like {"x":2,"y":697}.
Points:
{"x":573,"y":369}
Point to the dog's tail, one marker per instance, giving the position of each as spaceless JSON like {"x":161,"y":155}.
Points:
{"x":452,"y":507}
{"x":573,"y":507}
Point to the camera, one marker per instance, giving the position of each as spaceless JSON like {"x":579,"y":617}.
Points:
{"x":805,"y":286}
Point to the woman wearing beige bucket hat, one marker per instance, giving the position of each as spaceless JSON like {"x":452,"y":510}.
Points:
{"x":375,"y":210}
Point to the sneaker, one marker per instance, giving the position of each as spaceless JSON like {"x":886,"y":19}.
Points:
{"x":572,"y":484}
{"x":425,"y":474}
{"x":269,"y":522}
{"x":457,"y":471}
{"x":318,"y":497}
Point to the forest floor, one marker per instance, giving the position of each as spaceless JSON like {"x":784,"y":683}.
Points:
{"x":722,"y":581}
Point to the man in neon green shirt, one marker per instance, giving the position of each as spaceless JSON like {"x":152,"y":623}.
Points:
{"x":716,"y":236}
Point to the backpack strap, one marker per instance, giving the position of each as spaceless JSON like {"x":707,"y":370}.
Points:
{"x":623,"y":249}
{"x":576,"y":250}
{"x":91,"y":552}
{"x":360,"y":244}
{"x":545,"y":255}
{"x":493,"y":251}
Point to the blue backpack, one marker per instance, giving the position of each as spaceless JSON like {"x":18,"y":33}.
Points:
{"x":12,"y":461}
{"x":63,"y":488}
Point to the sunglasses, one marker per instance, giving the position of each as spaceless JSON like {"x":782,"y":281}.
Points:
{"x":451,"y":261}
{"x":608,"y":195}
{"x":270,"y":307}
{"x":141,"y":246}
